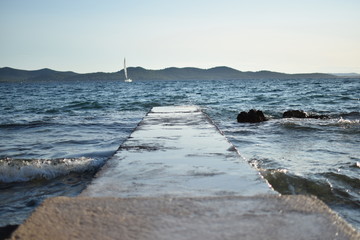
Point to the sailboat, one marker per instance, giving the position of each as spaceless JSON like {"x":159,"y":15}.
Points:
{"x":125,"y":71}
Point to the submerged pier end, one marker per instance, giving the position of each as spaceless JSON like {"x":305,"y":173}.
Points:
{"x":177,"y":177}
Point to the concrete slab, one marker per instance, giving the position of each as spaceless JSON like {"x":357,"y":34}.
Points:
{"x":177,"y":151}
{"x":256,"y":217}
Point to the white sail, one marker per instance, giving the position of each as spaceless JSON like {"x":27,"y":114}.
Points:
{"x":125,"y":72}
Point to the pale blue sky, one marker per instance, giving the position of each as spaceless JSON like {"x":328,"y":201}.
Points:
{"x":90,"y":36}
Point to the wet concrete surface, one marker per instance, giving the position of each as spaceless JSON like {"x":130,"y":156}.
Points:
{"x":177,"y":151}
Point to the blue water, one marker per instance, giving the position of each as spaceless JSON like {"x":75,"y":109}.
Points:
{"x":55,"y":136}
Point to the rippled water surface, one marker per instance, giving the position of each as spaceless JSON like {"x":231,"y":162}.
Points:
{"x":55,"y":136}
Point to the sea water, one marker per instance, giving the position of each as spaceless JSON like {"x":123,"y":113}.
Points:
{"x":54,"y":136}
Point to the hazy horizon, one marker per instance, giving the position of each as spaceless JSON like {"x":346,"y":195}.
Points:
{"x":94,"y":36}
{"x":348,"y":73}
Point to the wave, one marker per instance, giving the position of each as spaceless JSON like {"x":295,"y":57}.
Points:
{"x":32,"y":124}
{"x":286,"y":183}
{"x":23,"y":170}
{"x":342,"y":122}
{"x":330,"y":187}
{"x":85,"y":105}
{"x":355,"y":165}
{"x":344,"y":180}
{"x":306,"y":124}
{"x":299,"y":124}
{"x":334,"y":188}
{"x":351,"y":115}
{"x":317,"y":116}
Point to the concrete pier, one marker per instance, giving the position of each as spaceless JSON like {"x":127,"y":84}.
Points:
{"x":177,"y":177}
{"x":177,"y":151}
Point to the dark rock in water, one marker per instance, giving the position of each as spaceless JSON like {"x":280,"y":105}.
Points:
{"x":318,"y":116}
{"x":294,"y":114}
{"x":253,"y":116}
{"x":31,"y":203}
{"x":302,"y":114}
{"x":6,"y":231}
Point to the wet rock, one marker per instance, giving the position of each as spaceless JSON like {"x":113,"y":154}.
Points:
{"x":6,"y":231}
{"x":31,"y":203}
{"x":253,"y":116}
{"x":318,"y":116}
{"x":294,"y":114}
{"x":302,"y":114}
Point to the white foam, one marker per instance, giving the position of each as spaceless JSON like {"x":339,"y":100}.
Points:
{"x":342,"y":121}
{"x":21,"y":170}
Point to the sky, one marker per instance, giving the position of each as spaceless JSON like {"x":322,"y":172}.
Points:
{"x":94,"y":36}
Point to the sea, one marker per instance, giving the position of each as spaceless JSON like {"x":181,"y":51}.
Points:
{"x":54,"y":136}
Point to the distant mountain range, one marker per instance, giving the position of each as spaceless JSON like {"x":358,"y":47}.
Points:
{"x":140,"y":74}
{"x":347,"y":75}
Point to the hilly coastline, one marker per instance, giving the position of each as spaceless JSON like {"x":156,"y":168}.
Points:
{"x":140,"y":74}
